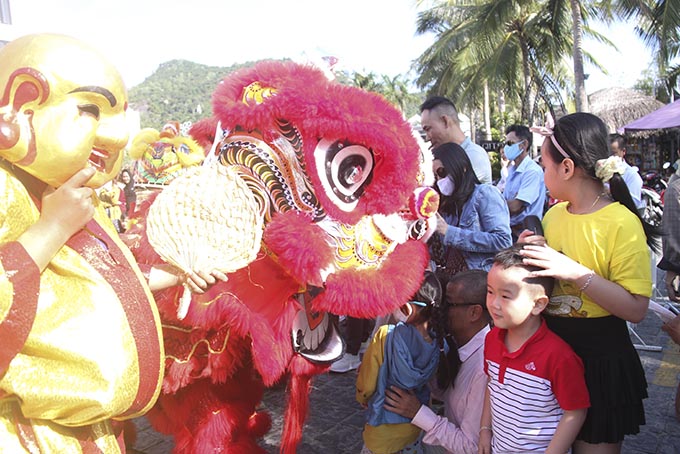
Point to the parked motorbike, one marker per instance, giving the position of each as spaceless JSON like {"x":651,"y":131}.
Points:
{"x":652,"y":212}
{"x":654,"y":180}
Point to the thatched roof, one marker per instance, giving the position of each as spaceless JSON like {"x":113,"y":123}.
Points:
{"x":619,"y":106}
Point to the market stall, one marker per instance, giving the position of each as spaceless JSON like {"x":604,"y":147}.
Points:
{"x":654,"y":138}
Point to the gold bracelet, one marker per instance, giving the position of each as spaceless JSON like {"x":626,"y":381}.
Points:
{"x":485,"y":428}
{"x":588,"y":281}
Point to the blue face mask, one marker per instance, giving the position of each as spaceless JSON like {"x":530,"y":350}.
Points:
{"x":512,"y":151}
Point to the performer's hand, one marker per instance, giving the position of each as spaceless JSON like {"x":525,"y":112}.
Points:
{"x":64,"y":211}
{"x":164,"y":276}
{"x":401,"y":402}
{"x":200,"y":281}
{"x":69,"y":207}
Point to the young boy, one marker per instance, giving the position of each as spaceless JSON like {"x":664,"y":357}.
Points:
{"x":536,"y":399}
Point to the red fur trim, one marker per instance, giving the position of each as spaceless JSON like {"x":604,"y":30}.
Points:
{"x":369,"y":293}
{"x":141,"y":248}
{"x":300,"y":245}
{"x":259,"y":424}
{"x":129,"y":434}
{"x":301,"y":372}
{"x":203,"y":132}
{"x":319,"y":108}
{"x":246,"y":330}
{"x":207,"y":418}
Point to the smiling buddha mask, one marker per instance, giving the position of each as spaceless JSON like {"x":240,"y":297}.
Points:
{"x":62,"y":109}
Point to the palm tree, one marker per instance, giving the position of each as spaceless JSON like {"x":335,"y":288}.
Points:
{"x":492,"y":42}
{"x":579,"y":74}
{"x":366,"y":81}
{"x":659,"y":27}
{"x":395,"y":90}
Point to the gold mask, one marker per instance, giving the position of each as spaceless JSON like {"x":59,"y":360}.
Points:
{"x":63,"y":109}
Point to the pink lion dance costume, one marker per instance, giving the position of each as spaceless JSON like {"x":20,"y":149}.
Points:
{"x":334,"y":170}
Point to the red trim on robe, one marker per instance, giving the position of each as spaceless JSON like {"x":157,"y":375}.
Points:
{"x":24,"y":274}
{"x":115,"y":268}
{"x":25,"y":432}
{"x":86,"y":439}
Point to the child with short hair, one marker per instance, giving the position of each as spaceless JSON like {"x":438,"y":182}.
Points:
{"x":405,"y":355}
{"x":536,"y":399}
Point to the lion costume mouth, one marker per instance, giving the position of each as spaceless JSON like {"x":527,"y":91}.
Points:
{"x":315,"y":335}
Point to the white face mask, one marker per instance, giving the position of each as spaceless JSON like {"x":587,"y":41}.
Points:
{"x":446,"y":185}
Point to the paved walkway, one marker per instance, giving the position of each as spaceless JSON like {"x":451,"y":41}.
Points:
{"x":335,"y":420}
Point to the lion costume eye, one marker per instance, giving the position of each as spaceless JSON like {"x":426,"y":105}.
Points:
{"x":345,"y":169}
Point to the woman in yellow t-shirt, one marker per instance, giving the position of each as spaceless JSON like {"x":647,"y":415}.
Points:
{"x":596,"y":249}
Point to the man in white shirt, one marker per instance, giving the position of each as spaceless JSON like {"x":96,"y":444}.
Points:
{"x":439,"y":120}
{"x":468,"y":323}
{"x":617,"y":147}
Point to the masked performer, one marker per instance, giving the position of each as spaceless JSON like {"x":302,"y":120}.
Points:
{"x":81,"y":340}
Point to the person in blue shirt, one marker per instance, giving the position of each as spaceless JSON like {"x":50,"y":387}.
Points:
{"x":524,"y":189}
{"x":472,"y":217}
{"x":617,"y":147}
{"x":406,"y":355}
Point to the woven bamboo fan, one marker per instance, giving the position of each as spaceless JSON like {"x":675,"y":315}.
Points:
{"x":206,"y":219}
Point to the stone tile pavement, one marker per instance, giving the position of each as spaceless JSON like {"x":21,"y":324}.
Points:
{"x":335,"y":419}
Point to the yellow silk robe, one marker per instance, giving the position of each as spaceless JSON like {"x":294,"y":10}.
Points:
{"x":80,"y":343}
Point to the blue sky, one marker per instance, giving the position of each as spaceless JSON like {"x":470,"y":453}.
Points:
{"x":366,"y":35}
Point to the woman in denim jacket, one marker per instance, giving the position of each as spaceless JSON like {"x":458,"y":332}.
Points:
{"x":473,"y":217}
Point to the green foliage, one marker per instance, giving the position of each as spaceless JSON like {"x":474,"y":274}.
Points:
{"x":178,"y":87}
{"x":514,"y":47}
{"x":495,"y":158}
{"x":394,"y":89}
{"x":652,"y":86}
{"x":178,"y":90}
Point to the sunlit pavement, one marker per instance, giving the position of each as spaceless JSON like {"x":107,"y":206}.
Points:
{"x":335,"y":419}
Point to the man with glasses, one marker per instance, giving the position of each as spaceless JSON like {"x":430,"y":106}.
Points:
{"x":439,"y":119}
{"x":524,"y":188}
{"x":468,"y":323}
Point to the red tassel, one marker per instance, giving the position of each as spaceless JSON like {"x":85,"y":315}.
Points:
{"x":301,"y":372}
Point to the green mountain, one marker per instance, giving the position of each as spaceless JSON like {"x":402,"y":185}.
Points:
{"x":179,"y":90}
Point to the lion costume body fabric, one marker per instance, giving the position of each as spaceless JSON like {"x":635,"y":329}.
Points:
{"x":333,"y":170}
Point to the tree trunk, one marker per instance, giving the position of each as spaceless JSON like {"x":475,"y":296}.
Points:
{"x":487,"y":114}
{"x":579,"y":75}
{"x":526,"y":97}
{"x":501,"y":109}
{"x":473,"y":121}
